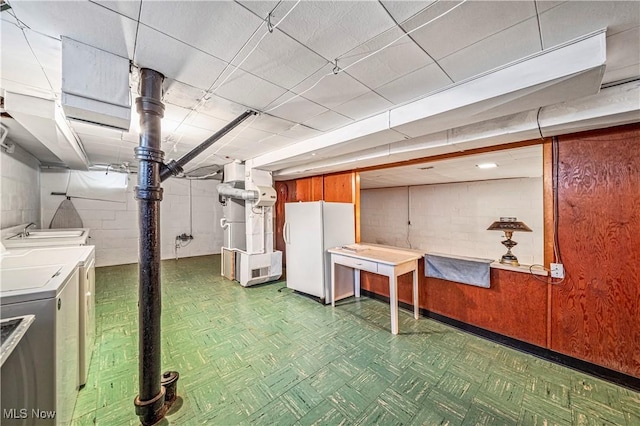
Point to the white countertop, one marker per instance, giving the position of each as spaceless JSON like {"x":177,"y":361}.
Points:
{"x":38,"y":273}
{"x":378,"y":253}
{"x":39,"y":238}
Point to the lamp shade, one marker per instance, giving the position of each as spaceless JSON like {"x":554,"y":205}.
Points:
{"x":509,"y":224}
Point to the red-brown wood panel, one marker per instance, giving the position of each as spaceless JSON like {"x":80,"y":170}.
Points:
{"x":284,"y":191}
{"x":515,"y":305}
{"x":309,"y":189}
{"x":596,"y":309}
{"x":340,"y":187}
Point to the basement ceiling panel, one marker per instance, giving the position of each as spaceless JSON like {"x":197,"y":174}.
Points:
{"x":415,"y":85}
{"x":333,"y":28}
{"x":332,"y":89}
{"x":501,"y":48}
{"x":247,"y":89}
{"x":403,"y":10}
{"x":363,"y":106}
{"x":481,"y":19}
{"x":280,"y":59}
{"x":328,"y":121}
{"x":263,"y":7}
{"x":623,"y":55}
{"x":180,"y":94}
{"x":573,"y":19}
{"x":175,"y":59}
{"x":216,"y":27}
{"x":85,"y":22}
{"x":128,"y":8}
{"x":400,"y":58}
{"x":296,"y":108}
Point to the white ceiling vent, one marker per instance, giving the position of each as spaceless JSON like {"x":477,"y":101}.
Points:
{"x":95,"y":85}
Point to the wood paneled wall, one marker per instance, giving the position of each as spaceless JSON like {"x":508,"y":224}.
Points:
{"x":596,"y":310}
{"x":336,"y":187}
{"x":515,"y":305}
{"x":594,"y":313}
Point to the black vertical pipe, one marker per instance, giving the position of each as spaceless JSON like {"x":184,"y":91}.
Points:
{"x":150,"y":400}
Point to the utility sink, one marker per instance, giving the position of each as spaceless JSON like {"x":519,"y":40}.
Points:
{"x":48,"y":233}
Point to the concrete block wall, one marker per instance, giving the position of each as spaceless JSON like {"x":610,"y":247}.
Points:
{"x":20,"y":173}
{"x":453,"y":218}
{"x":114,"y":226}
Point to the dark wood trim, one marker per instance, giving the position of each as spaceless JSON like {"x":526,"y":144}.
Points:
{"x":548,"y":232}
{"x":528,"y":348}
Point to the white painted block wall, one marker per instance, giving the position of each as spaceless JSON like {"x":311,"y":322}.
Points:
{"x":20,"y":182}
{"x":114,"y":226}
{"x":453,"y":218}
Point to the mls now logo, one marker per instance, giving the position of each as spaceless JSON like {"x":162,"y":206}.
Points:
{"x":23,"y":413}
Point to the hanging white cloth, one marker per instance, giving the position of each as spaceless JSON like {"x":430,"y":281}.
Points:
{"x":98,"y":185}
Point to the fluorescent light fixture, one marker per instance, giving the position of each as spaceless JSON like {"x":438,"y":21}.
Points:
{"x":486,"y":165}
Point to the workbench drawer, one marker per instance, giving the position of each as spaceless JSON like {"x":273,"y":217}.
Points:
{"x":363,"y":265}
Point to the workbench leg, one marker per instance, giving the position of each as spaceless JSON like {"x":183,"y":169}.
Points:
{"x":356,"y":284}
{"x":333,"y":284}
{"x":416,"y":303}
{"x":393,"y":301}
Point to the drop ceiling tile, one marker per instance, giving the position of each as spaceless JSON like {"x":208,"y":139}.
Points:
{"x":247,"y":89}
{"x":175,"y":113}
{"x":328,"y":120}
{"x":14,"y":45}
{"x":574,"y":19}
{"x":280,"y":59}
{"x":272,"y":124}
{"x":180,"y":94}
{"x":246,"y":134}
{"x":263,"y":7}
{"x":24,"y":74}
{"x":544,"y":5}
{"x":621,"y":73}
{"x":403,"y":10}
{"x":399,"y":59}
{"x":206,"y":122}
{"x":277,"y":141}
{"x":128,"y":8}
{"x":216,"y":27}
{"x":414,"y":85}
{"x":86,"y":22}
{"x":300,"y":132}
{"x":467,"y":24}
{"x":364,"y":106}
{"x":330,"y":90}
{"x":221,"y":108}
{"x":332,"y":28}
{"x":296,"y":108}
{"x":175,"y":59}
{"x":623,"y":50}
{"x":499,"y":49}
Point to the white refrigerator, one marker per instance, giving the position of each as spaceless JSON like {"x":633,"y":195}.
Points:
{"x":310,"y":229}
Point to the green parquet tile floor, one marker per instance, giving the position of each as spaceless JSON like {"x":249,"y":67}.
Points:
{"x":265,"y":355}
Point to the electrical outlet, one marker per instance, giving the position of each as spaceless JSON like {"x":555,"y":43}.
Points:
{"x":557,"y":270}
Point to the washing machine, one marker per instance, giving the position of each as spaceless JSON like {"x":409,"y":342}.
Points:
{"x":84,"y":258}
{"x":39,"y":378}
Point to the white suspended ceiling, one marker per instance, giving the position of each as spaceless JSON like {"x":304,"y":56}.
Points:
{"x":220,"y":59}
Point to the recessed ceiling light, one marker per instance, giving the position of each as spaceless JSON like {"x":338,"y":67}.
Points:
{"x":486,"y":165}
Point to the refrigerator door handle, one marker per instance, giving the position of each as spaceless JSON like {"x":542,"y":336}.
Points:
{"x":285,"y":232}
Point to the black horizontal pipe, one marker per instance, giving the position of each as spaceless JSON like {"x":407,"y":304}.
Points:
{"x":175,"y":167}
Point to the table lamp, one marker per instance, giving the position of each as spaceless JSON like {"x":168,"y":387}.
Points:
{"x":509,"y":225}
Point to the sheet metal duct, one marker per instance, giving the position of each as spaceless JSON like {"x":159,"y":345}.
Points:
{"x":95,"y":85}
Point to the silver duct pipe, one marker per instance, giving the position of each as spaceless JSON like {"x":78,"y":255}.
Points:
{"x":228,"y":191}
